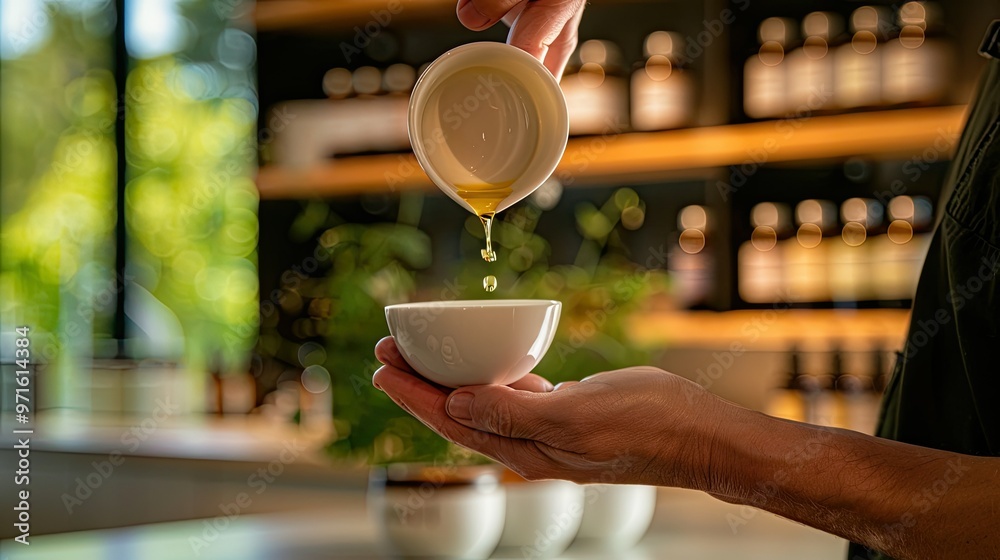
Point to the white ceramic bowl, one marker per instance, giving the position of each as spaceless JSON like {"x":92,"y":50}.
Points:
{"x":456,"y":343}
{"x":498,"y":92}
{"x":542,"y":518}
{"x":437,"y":512}
{"x":616,"y":516}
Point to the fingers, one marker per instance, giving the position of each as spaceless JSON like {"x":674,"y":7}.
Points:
{"x":533,"y":383}
{"x":511,"y":16}
{"x":509,"y":412}
{"x":562,"y":48}
{"x":565,"y":385}
{"x":542,"y":25}
{"x":427,"y":403}
{"x":545,"y":29}
{"x":388,"y":353}
{"x":504,"y":411}
{"x":480,"y":14}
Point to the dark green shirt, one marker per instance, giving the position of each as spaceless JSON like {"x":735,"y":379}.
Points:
{"x":945,"y":390}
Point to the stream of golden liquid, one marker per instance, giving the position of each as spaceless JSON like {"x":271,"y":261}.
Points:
{"x":484,"y":199}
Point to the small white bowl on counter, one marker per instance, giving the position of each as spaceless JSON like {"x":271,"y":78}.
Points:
{"x":437,"y":512}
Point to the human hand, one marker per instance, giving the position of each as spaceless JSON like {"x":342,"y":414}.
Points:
{"x":546,"y":29}
{"x":632,"y":426}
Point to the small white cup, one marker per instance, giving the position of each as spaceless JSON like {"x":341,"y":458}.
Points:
{"x":616,"y":516}
{"x":437,"y":512}
{"x":456,"y":343}
{"x":493,"y":104}
{"x":542,"y":518}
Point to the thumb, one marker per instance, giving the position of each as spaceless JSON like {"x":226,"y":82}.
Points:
{"x":502,"y":411}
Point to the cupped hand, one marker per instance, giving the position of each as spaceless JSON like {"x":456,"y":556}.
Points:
{"x":631,"y":426}
{"x":546,"y":29}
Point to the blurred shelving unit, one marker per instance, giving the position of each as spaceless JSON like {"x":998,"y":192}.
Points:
{"x":656,"y":155}
{"x":768,"y":329}
{"x":802,"y":156}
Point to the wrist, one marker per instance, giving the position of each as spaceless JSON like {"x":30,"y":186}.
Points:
{"x":705,"y":444}
{"x":737,"y":454}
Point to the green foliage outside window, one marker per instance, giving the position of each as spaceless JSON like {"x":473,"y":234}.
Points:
{"x":57,"y":122}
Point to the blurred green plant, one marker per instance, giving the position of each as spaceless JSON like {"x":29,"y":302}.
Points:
{"x":57,"y":119}
{"x":376,"y":265}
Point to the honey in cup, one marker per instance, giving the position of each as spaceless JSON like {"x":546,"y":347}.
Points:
{"x":488,"y":124}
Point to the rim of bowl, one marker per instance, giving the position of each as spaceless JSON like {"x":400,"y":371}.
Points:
{"x":461,"y":303}
{"x":406,"y":474}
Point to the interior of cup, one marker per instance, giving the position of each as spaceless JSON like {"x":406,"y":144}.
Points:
{"x":428,"y":134}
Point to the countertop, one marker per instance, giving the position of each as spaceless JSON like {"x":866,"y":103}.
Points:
{"x":688,"y":525}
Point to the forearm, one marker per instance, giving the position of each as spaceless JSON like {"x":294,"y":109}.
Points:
{"x":905,"y":500}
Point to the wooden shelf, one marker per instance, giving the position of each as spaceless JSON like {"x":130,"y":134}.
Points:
{"x":327,"y":15}
{"x":276,"y":15}
{"x":770,"y":329}
{"x":652,"y":156}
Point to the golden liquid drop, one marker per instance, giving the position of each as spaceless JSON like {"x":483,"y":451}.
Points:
{"x":489,"y":255}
